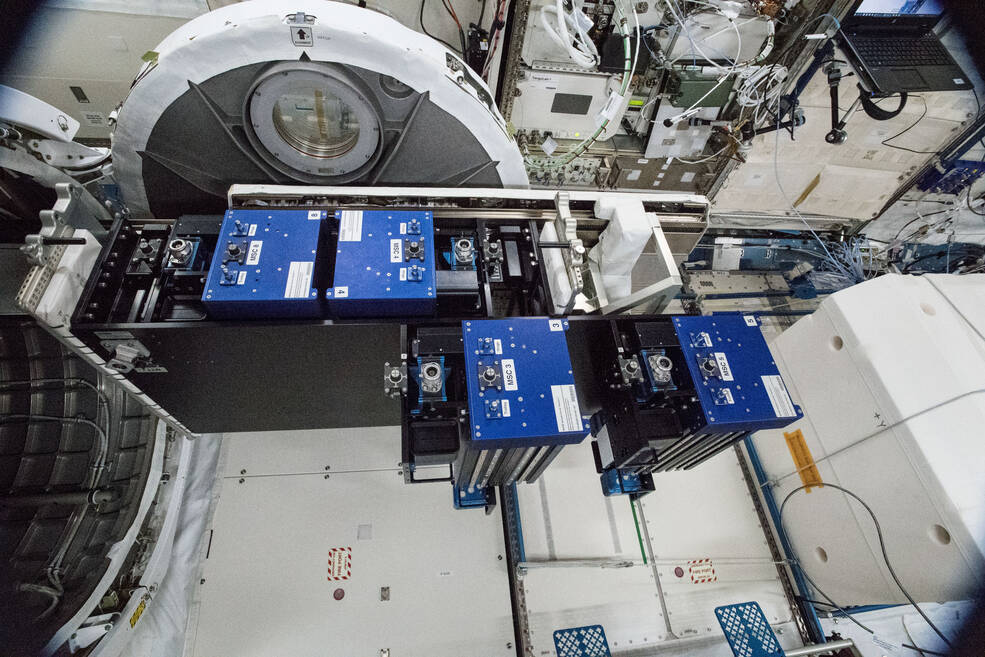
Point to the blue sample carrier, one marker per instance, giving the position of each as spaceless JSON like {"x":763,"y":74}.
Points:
{"x":738,"y":384}
{"x":520,"y":385}
{"x":264,"y":265}
{"x":523,"y":405}
{"x":384,"y":264}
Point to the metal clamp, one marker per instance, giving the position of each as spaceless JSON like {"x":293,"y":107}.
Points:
{"x":126,"y":355}
{"x":394,"y":379}
{"x":630,"y":370}
{"x":490,"y":376}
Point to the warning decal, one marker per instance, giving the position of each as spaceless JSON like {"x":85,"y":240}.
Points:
{"x":138,"y":612}
{"x":339,"y":564}
{"x":702,"y":571}
{"x":301,"y":35}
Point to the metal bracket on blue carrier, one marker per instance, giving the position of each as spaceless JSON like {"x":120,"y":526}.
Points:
{"x":747,"y":631}
{"x":624,"y":482}
{"x":588,"y":641}
{"x":476,"y":498}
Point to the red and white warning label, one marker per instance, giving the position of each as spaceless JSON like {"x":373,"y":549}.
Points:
{"x":702,"y":571}
{"x":339,"y":564}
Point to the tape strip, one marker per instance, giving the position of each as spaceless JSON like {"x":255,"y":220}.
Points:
{"x":803,"y":460}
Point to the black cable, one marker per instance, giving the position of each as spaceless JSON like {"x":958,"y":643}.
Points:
{"x":425,"y":30}
{"x":978,"y":113}
{"x":968,"y":202}
{"x":461,"y":33}
{"x":66,"y":382}
{"x":21,"y":418}
{"x":960,"y":254}
{"x":918,"y":218}
{"x":907,"y":129}
{"x":482,"y":13}
{"x":922,"y":651}
{"x":885,"y":556}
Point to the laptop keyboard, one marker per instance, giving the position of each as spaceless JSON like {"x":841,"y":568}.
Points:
{"x":923,"y":51}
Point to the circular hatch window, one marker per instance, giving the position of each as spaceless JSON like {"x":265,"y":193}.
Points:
{"x":315,"y":122}
{"x":312,"y":123}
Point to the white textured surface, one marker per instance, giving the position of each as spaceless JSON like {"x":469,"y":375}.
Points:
{"x":703,"y":513}
{"x":297,"y":452}
{"x":902,"y":624}
{"x":160,"y":631}
{"x":708,"y":513}
{"x":266,"y":589}
{"x":905,"y":350}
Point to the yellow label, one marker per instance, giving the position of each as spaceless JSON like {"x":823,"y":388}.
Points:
{"x":803,"y":460}
{"x":137,"y":612}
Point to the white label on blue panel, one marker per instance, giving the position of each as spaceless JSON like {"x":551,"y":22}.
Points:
{"x":253,"y":256}
{"x":782,"y":406}
{"x":341,"y":292}
{"x":299,"y":280}
{"x":509,"y":374}
{"x":723,"y":366}
{"x":253,"y":230}
{"x":396,"y":250}
{"x":566,"y":410}
{"x":351,"y":226}
{"x":556,"y":325}
{"x":750,"y":321}
{"x":727,"y":394}
{"x":241,"y":278}
{"x":505,"y":407}
{"x":403,"y":273}
{"x":403,"y":227}
{"x":314,"y":214}
{"x":498,"y":346}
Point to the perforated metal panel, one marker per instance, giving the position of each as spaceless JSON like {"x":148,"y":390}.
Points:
{"x":588,"y":641}
{"x":747,"y":631}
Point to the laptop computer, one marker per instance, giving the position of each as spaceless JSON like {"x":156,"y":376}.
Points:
{"x":893,"y":47}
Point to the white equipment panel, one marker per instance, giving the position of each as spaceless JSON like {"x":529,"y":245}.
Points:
{"x":709,"y":547}
{"x":585,"y":563}
{"x":416,"y":577}
{"x":567,"y":105}
{"x":890,"y":375}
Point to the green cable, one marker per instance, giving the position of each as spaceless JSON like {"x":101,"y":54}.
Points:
{"x":639,"y":536}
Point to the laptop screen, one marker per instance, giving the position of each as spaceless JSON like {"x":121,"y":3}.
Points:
{"x":887,"y":8}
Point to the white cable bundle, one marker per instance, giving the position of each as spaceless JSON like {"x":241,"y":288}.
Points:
{"x":569,"y":30}
{"x":761,"y":88}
